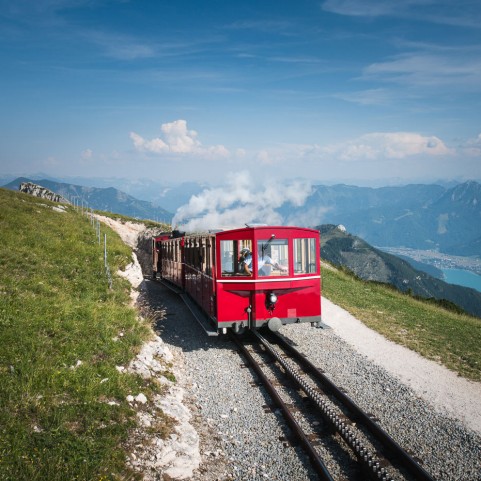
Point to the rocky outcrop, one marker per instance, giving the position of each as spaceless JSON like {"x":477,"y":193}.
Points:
{"x":39,"y":191}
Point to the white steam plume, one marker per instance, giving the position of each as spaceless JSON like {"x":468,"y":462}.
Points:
{"x":239,"y":203}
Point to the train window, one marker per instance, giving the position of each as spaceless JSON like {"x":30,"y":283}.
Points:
{"x":208,"y":258}
{"x":200,"y":255}
{"x":188,"y":252}
{"x":195,"y":257}
{"x":305,"y":256}
{"x":197,"y":254}
{"x":273,"y":257}
{"x":230,"y":256}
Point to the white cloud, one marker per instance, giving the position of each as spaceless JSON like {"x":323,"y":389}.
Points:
{"x":51,"y":161}
{"x":461,"y":13}
{"x":391,"y":145}
{"x":265,"y":157}
{"x":155,"y":146}
{"x":428,"y":69}
{"x":122,"y":47}
{"x":363,"y":8}
{"x":177,"y":139}
{"x":240,"y":153}
{"x":368,"y":147}
{"x":472,"y":147}
{"x":372,"y":146}
{"x":238,"y":203}
{"x":368,"y":97}
{"x":87,"y":154}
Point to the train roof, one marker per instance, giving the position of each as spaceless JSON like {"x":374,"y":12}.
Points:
{"x":251,"y":229}
{"x":259,"y":228}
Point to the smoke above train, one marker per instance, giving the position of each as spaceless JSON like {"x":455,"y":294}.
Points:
{"x":243,"y":200}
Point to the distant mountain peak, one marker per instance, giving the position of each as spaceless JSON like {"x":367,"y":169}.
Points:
{"x":467,"y":193}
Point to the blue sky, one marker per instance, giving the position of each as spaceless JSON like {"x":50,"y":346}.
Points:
{"x":361,"y":92}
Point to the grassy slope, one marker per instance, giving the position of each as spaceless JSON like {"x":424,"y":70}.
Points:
{"x":449,"y":338}
{"x":55,"y":310}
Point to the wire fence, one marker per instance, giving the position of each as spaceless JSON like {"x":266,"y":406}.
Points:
{"x":107,"y":268}
{"x":81,"y":206}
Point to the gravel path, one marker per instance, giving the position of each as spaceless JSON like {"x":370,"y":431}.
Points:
{"x":240,"y":439}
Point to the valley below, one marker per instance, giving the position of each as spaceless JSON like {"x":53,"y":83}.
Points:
{"x":436,"y":259}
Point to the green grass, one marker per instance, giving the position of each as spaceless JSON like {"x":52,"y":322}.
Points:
{"x":56,"y":309}
{"x":444,"y":336}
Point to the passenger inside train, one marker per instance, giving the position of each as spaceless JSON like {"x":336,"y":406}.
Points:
{"x":264,"y":264}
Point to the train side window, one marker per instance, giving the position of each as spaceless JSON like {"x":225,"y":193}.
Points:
{"x":208,"y":259}
{"x":229,"y":257}
{"x":305,"y":256}
{"x":273,"y":257}
{"x":195,"y":260}
{"x":188,"y":252}
{"x":202,"y":255}
{"x":197,"y":255}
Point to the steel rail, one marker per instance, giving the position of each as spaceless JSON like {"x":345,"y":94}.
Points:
{"x":367,"y":459}
{"x":316,"y":460}
{"x":395,"y":450}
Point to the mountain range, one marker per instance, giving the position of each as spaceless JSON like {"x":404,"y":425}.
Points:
{"x":107,"y":199}
{"x":418,"y":216}
{"x":164,"y":194}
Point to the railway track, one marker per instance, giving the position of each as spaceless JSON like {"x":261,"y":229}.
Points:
{"x":323,"y":419}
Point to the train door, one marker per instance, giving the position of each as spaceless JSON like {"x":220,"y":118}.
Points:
{"x":233,"y":283}
{"x":208,"y":275}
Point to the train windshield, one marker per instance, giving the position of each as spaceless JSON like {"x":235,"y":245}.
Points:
{"x":305,"y":256}
{"x":273,"y":257}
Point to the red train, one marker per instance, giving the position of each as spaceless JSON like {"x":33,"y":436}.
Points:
{"x":244,"y":278}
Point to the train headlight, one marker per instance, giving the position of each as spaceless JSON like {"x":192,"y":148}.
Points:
{"x":271,"y":300}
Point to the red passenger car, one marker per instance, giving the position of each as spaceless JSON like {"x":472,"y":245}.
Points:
{"x":245,"y":278}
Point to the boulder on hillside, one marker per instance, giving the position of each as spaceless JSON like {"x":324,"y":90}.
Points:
{"x":39,"y":191}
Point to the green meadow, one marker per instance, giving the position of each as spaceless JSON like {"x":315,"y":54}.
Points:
{"x":63,"y":331}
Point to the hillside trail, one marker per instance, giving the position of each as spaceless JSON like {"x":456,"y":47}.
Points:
{"x":447,"y":392}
